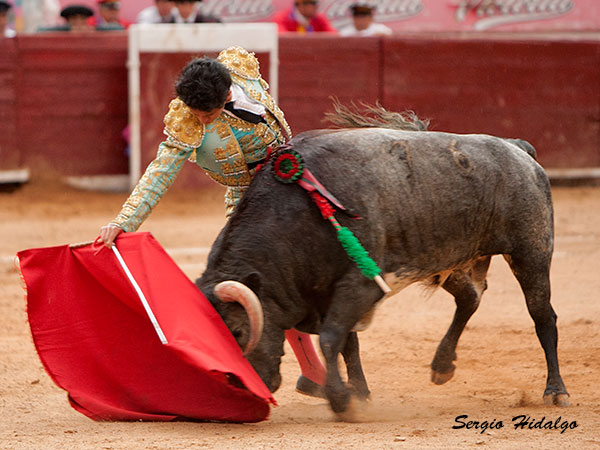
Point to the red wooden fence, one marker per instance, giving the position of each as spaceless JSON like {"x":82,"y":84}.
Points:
{"x":63,"y":98}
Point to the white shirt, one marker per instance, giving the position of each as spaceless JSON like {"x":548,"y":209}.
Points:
{"x":241,"y":100}
{"x":151,"y":15}
{"x":9,"y":33}
{"x":375,"y":29}
{"x":190,"y":19}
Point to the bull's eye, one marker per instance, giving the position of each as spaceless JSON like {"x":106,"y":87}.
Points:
{"x":237,"y":333}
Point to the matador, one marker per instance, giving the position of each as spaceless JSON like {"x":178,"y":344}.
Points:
{"x":224,"y":120}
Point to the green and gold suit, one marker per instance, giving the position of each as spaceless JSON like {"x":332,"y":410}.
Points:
{"x":224,"y":149}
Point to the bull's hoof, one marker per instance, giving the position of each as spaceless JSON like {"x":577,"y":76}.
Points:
{"x":350,"y":414}
{"x":441,"y":378}
{"x":557,"y":399}
{"x":362,"y":394}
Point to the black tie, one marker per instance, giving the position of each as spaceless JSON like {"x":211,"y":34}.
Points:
{"x":243,"y":114}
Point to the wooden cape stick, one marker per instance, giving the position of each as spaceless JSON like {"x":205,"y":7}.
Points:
{"x":135,"y":285}
{"x":140,"y":294}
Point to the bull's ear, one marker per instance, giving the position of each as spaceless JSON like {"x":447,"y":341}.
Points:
{"x":253,"y":281}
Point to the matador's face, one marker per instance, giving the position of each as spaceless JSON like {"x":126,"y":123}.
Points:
{"x":206,"y":117}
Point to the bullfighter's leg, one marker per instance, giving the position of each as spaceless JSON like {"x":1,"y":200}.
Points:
{"x":467,"y":288}
{"x":312,"y":380}
{"x":532,"y":270}
{"x":356,"y":377}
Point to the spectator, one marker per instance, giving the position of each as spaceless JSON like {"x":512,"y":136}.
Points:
{"x":109,"y":16}
{"x":303,"y":18}
{"x":37,"y":14}
{"x":76,"y":20}
{"x":77,"y":17}
{"x":163,"y":11}
{"x":363,"y":22}
{"x":189,"y":12}
{"x":5,"y":31}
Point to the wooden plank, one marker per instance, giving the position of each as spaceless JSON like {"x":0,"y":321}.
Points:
{"x":10,"y":154}
{"x":313,"y":68}
{"x":73,"y":102}
{"x":542,"y":91}
{"x":65,"y":96}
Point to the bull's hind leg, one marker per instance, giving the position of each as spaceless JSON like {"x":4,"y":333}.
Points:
{"x":467,"y":288}
{"x":533,"y":273}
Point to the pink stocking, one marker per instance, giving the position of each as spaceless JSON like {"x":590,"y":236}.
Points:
{"x":310,"y":363}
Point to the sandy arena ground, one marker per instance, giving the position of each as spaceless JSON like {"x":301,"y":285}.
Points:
{"x":500,"y":372}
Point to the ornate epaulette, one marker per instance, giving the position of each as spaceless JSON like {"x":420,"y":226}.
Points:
{"x":182,"y":126}
{"x":240,"y":62}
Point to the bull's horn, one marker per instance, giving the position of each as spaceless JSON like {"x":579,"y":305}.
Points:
{"x":234,"y":291}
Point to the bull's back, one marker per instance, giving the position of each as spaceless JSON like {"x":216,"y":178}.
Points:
{"x":433,"y":199}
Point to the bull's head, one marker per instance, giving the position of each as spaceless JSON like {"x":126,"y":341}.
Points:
{"x":261,"y":341}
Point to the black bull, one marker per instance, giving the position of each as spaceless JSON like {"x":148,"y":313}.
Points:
{"x":433,"y":207}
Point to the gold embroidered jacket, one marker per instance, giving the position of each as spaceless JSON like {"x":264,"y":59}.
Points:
{"x":223,"y":149}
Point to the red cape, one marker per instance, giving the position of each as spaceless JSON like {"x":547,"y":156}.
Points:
{"x":97,"y":342}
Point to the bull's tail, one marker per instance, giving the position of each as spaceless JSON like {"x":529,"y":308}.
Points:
{"x":525,"y":146}
{"x":374,"y":116}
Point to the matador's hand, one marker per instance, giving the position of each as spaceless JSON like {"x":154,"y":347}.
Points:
{"x":109,"y":233}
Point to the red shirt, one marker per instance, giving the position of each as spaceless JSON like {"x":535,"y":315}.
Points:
{"x":286,"y":21}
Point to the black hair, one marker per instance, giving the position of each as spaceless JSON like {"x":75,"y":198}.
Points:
{"x":76,"y":10}
{"x":4,"y":6}
{"x":203,"y":84}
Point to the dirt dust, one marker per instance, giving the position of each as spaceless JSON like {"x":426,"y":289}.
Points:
{"x":500,"y":373}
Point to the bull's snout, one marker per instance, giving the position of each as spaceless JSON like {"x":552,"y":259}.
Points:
{"x":274,"y":382}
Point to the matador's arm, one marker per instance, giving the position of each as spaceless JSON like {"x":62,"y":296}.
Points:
{"x":159,"y":176}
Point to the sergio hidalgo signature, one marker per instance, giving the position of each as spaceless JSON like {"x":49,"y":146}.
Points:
{"x":520,"y":422}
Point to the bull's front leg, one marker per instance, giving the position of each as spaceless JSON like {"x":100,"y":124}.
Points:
{"x":335,"y":337}
{"x":333,"y":340}
{"x":356,"y":377}
{"x":338,"y":394}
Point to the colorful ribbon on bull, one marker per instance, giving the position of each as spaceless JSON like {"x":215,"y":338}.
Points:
{"x":288,"y":167}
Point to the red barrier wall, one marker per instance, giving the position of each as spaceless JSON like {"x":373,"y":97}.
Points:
{"x":10,"y":155}
{"x":542,"y":91}
{"x":71,"y":103}
{"x":313,"y":68}
{"x":63,"y":98}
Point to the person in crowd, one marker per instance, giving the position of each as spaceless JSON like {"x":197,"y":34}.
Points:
{"x":225,"y":121}
{"x":163,"y":11}
{"x":303,"y":17}
{"x":188,"y":11}
{"x":77,"y":17}
{"x":109,"y":12}
{"x":76,"y":20}
{"x":5,"y":30}
{"x":363,"y":22}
